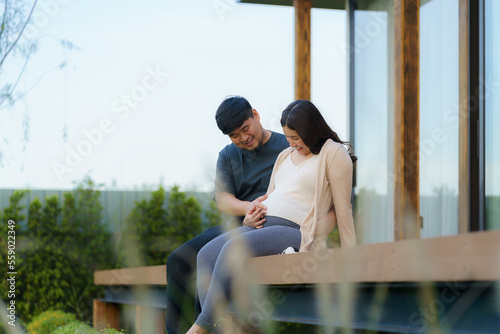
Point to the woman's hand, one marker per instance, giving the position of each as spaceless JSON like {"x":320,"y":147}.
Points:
{"x":258,"y":202}
{"x":254,"y":217}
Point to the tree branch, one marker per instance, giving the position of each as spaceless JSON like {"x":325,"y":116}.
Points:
{"x":3,"y":29}
{"x":20,"y":33}
{"x":34,"y":84}
{"x":11,"y":90}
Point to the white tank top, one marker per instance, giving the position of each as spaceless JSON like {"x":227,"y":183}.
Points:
{"x":294,"y":190}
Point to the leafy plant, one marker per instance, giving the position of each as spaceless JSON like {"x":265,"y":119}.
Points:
{"x":183,"y":217}
{"x":75,"y":327}
{"x":49,"y":321}
{"x":111,"y":331}
{"x":212,"y":215}
{"x":143,"y":240}
{"x":154,"y":231}
{"x":58,"y":250}
{"x":12,"y":212}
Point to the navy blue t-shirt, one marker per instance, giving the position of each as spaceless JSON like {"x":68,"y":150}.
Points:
{"x":246,"y":174}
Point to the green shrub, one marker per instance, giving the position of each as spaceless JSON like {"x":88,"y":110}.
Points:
{"x":58,"y":250}
{"x":111,"y":331}
{"x":49,"y":321}
{"x":11,"y":212}
{"x":75,"y":327}
{"x":143,"y":240}
{"x":184,"y":217}
{"x":212,"y":215}
{"x":60,"y":245}
{"x":153,"y":232}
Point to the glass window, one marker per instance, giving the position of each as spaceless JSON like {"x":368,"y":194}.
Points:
{"x":328,"y":71}
{"x":373,"y":125}
{"x":492,"y":114}
{"x":439,"y":117}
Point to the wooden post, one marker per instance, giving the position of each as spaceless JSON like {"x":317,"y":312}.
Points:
{"x":463,"y":131}
{"x":406,"y":119}
{"x":105,"y":315}
{"x":149,"y":320}
{"x":302,"y":49}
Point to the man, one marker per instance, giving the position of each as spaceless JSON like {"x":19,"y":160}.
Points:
{"x":242,"y":176}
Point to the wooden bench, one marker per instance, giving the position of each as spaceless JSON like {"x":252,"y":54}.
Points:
{"x":454,"y":277}
{"x":148,"y":315}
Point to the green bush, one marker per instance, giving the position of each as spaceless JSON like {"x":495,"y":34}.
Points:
{"x":143,"y":240}
{"x":153,"y":231}
{"x":212,"y":215}
{"x":75,"y":327}
{"x":49,"y":321}
{"x":12,"y":212}
{"x":60,"y":245}
{"x":58,"y":250}
{"x":111,"y":331}
{"x":184,"y":217}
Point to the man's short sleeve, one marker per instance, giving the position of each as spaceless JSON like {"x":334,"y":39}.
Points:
{"x":223,"y":174}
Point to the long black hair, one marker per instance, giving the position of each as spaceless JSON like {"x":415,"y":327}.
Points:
{"x":303,"y":117}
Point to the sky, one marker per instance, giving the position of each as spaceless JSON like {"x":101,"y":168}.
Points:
{"x":134,"y":105}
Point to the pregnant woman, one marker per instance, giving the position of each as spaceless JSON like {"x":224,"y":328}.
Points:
{"x":309,"y":192}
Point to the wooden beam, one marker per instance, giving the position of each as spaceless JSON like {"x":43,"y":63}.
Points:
{"x":473,"y":256}
{"x":326,"y":4}
{"x":105,"y":315}
{"x":153,"y":275}
{"x":463,"y":131}
{"x":406,"y":120}
{"x":302,"y":49}
{"x":149,"y":320}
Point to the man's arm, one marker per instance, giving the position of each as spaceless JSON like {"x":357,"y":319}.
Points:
{"x":227,"y":203}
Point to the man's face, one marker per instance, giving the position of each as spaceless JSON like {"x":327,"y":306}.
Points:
{"x":250,"y":134}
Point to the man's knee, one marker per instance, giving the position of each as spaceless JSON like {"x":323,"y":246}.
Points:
{"x":172,"y":261}
{"x":182,"y":259}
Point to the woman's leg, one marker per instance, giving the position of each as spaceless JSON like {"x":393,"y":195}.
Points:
{"x":207,"y":258}
{"x":266,"y":241}
{"x":181,"y":270}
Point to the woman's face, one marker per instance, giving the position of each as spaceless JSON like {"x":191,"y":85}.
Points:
{"x":295,"y":141}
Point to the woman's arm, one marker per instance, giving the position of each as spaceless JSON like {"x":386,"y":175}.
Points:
{"x":339,"y":174}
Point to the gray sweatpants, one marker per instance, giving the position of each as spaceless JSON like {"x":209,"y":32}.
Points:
{"x":218,"y":260}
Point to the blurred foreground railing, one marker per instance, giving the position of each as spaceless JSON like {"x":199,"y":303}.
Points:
{"x":448,"y":284}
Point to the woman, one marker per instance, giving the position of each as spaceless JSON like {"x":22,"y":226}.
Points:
{"x":310,"y":179}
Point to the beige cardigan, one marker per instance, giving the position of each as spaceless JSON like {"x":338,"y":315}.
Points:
{"x":333,"y":187}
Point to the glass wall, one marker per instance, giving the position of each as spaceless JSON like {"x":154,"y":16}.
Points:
{"x":328,"y":71}
{"x":439,"y":117}
{"x":492,"y":113}
{"x":373,"y":125}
